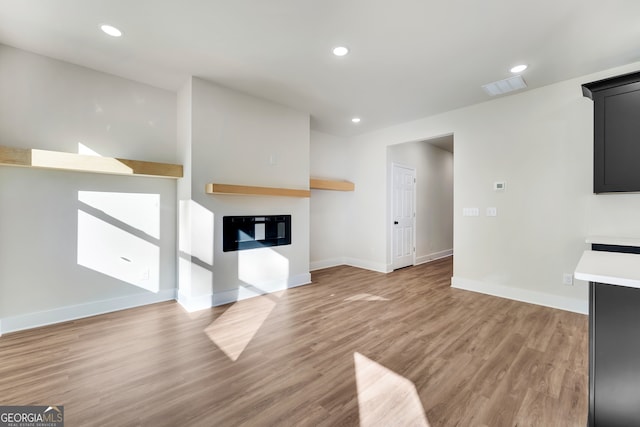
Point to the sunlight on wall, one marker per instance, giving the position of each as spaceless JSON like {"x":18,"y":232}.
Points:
{"x":118,"y":236}
{"x":140,"y":211}
{"x":198,"y":241}
{"x":386,"y":398}
{"x":235,"y":328}
{"x":84,"y":150}
{"x":194,"y":281}
{"x":109,"y":250}
{"x":366,"y":297}
{"x":195,"y":264}
{"x":263,"y":266}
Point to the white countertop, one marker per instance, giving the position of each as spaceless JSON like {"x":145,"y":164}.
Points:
{"x":613,"y":268}
{"x":618,"y":241}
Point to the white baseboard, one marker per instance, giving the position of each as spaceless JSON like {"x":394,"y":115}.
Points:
{"x":352,"y":262}
{"x":73,"y":312}
{"x":369,"y":265}
{"x":433,"y":256}
{"x":374,"y":266}
{"x":233,"y":295}
{"x":548,"y":300}
{"x":326,"y":263}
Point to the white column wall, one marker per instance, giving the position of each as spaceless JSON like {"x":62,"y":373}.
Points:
{"x":242,"y":140}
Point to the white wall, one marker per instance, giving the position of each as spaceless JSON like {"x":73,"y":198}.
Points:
{"x":45,"y":218}
{"x":540,"y":143}
{"x":434,"y":196}
{"x":329,"y":209}
{"x":239,"y":139}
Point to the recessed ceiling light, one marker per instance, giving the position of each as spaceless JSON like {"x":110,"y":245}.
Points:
{"x":340,"y":51}
{"x":111,"y":30}
{"x":356,"y":120}
{"x":519,"y":68}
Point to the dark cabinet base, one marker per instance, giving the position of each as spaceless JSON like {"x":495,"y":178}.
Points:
{"x":614,"y":356}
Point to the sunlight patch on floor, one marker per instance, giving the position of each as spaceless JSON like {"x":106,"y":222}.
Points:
{"x":237,"y":326}
{"x":366,"y":297}
{"x":386,"y":398}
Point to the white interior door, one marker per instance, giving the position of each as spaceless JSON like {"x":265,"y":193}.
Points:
{"x":403,"y":214}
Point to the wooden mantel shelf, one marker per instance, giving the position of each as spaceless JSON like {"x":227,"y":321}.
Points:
{"x":31,"y":157}
{"x":315,"y":183}
{"x":255,"y":191}
{"x":330,"y":184}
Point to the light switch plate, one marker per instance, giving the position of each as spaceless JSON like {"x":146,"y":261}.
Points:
{"x":471,"y":212}
{"x":492,"y":211}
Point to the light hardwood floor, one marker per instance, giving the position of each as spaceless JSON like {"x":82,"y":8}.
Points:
{"x":354,"y":348}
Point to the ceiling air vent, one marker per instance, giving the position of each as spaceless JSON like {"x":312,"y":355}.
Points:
{"x":504,"y":86}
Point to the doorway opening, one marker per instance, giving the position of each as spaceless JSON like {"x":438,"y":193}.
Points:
{"x":420,"y":201}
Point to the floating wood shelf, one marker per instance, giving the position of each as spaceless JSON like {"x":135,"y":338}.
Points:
{"x":31,"y":157}
{"x":330,"y":184}
{"x":255,"y":191}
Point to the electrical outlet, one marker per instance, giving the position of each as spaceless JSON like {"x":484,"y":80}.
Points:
{"x":567,"y":279}
{"x":144,"y":275}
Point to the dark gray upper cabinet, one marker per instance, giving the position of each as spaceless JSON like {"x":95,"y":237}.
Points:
{"x":616,"y":153}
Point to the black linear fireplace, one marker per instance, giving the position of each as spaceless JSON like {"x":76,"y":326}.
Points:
{"x":250,"y":232}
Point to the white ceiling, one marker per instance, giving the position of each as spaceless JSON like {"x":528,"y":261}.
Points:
{"x":409,"y":58}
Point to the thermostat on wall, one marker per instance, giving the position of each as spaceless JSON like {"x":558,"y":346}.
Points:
{"x":499,"y":186}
